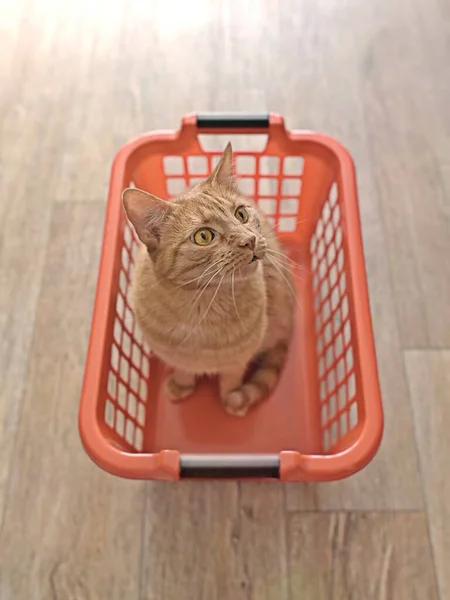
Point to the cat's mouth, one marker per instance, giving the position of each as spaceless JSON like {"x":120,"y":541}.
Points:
{"x":255,"y":258}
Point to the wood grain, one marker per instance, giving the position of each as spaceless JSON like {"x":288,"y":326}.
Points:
{"x":342,"y":556}
{"x":69,"y":530}
{"x":429,"y":382}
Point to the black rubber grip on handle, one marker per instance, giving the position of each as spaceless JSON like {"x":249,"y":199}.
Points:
{"x":232,"y":121}
{"x":230,"y":466}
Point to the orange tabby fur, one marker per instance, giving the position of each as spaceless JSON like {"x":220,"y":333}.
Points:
{"x":217,"y":308}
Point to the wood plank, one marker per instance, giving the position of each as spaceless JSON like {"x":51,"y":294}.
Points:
{"x":219,"y":540}
{"x":69,"y":530}
{"x":429,"y":382}
{"x":375,"y":556}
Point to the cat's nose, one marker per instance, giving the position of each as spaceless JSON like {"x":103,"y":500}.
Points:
{"x":250,"y":243}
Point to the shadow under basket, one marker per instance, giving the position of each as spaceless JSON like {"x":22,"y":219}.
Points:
{"x":324,"y":419}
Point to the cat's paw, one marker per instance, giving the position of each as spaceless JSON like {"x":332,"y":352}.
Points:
{"x":236,"y":403}
{"x":176,"y":391}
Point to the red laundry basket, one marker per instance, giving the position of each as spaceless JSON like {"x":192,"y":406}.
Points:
{"x":324,"y":419}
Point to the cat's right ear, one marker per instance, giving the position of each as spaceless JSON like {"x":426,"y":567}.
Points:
{"x":146,"y":213}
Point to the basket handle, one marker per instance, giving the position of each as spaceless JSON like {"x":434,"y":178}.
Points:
{"x":226,"y":466}
{"x":232,"y":121}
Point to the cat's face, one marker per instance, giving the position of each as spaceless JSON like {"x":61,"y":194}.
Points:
{"x":207,"y":235}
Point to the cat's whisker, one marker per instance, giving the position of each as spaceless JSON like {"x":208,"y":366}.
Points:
{"x":234,"y":297}
{"x":287,"y":267}
{"x":297,"y":222}
{"x":287,"y":281}
{"x":202,"y":275}
{"x":202,"y":290}
{"x":289,"y":260}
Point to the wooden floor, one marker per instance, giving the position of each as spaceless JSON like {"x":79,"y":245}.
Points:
{"x":77,"y":80}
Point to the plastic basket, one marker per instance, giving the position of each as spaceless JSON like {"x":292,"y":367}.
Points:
{"x":324,"y":419}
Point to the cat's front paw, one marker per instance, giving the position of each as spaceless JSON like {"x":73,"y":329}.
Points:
{"x":236,"y":403}
{"x":176,"y":390}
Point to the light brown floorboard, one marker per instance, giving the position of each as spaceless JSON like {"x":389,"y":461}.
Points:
{"x":69,"y":530}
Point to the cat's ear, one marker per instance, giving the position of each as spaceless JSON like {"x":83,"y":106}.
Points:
{"x":146,"y":213}
{"x":223,"y":173}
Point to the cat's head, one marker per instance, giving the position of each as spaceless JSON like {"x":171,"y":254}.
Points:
{"x":210,"y":230}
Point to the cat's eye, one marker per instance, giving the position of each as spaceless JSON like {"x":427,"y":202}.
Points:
{"x":203,"y":237}
{"x":241,"y":214}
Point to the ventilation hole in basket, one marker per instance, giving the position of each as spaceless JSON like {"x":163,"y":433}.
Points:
{"x":319,"y":345}
{"x":138,"y":334}
{"x":173,"y":165}
{"x":320,"y":249}
{"x":112,"y":385}
{"x":141,"y":414}
{"x":120,"y":422}
{"x":342,"y":284}
{"x":175,"y":186}
{"x":126,"y":344}
{"x":215,"y":160}
{"x":134,"y":379}
{"x":269,"y":165}
{"x":347,"y":333}
{"x":127,"y":235}
{"x":349,"y":359}
{"x":316,"y":303}
{"x":129,"y":319}
{"x":291,"y":187}
{"x":272,"y":222}
{"x":337,"y":321}
{"x":326,"y":214}
{"x":326,"y":311}
{"x":287,"y":224}
{"x":293,"y":165}
{"x":125,"y":258}
{"x":344,"y":307}
{"x":329,"y":233}
{"x":331,"y":255}
{"x":132,"y":405}
{"x":143,"y":390}
{"x":120,"y":305}
{"x":343,"y":424}
{"x":333,"y":275}
{"x":193,"y":181}
{"x":117,"y":331}
{"x":336,"y":215}
{"x":145,"y":366}
{"x":289,"y":206}
{"x":319,"y":229}
{"x":138,"y":439}
{"x":340,"y":260}
{"x":321,"y":366}
{"x":324,"y":416}
{"x":342,"y":397}
{"x":318,"y":323}
{"x":129,"y":432}
{"x":247,"y":186}
{"x":333,"y":195}
{"x":245,"y":165}
{"x":197,"y":165}
{"x":322,"y":268}
{"x":123,"y":282}
{"x":338,"y":345}
{"x":353,"y":415}
{"x":122,"y":397}
{"x":124,"y":369}
{"x":340,"y":371}
{"x":351,"y":386}
{"x":312,"y":244}
{"x":322,"y":391}
{"x":268,"y":206}
{"x":338,"y":237}
{"x":315,"y":281}
{"x":129,"y":299}
{"x":131,"y":273}
{"x":331,"y":381}
{"x":324,"y":290}
{"x":332,"y":406}
{"x":326,"y":440}
{"x":115,"y":357}
{"x":109,"y":413}
{"x":267,"y":186}
{"x":329,"y":356}
{"x":136,"y":356}
{"x":146,"y":348}
{"x":327,"y":333}
{"x":334,"y":433}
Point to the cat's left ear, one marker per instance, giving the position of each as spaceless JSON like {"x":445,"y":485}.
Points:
{"x":146,"y":213}
{"x":223,"y":173}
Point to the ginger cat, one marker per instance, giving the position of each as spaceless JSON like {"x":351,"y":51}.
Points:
{"x":212,"y":289}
